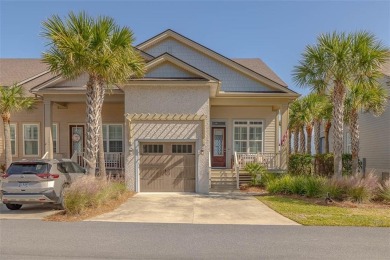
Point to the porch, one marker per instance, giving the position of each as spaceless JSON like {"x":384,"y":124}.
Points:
{"x":224,"y":179}
{"x":113,"y":161}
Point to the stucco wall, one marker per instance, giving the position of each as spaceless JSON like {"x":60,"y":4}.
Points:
{"x":231,"y":79}
{"x":229,"y":114}
{"x":168,"y":100}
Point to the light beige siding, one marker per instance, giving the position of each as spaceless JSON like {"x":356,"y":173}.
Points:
{"x":74,"y":113}
{"x":229,"y":114}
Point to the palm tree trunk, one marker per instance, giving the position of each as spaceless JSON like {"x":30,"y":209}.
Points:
{"x":302,"y":141}
{"x":102,"y":163}
{"x":317,"y":129}
{"x":338,"y":123}
{"x":309,"y":131}
{"x":289,"y":141}
{"x":354,"y":130}
{"x":328,"y":125}
{"x":296,"y":140}
{"x":93,"y":113}
{"x":7,"y":138}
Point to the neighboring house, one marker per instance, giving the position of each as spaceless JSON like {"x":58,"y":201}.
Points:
{"x":193,"y":109}
{"x":374,"y":136}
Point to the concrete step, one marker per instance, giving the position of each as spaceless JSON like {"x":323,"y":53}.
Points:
{"x":223,"y":178}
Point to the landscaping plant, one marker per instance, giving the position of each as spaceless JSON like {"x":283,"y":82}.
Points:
{"x":257,"y":171}
{"x":89,"y":192}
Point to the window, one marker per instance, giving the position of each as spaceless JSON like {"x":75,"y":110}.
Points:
{"x":54,"y":132}
{"x":113,"y":138}
{"x":182,"y":148}
{"x":152,"y":148}
{"x":248,"y":136}
{"x":13,"y":138}
{"x":31,"y":139}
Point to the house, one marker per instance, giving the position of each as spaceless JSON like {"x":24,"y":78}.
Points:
{"x":194,"y":109}
{"x":374,"y":134}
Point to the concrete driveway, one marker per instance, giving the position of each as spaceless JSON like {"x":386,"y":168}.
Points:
{"x":194,"y":209}
{"x":33,"y":211}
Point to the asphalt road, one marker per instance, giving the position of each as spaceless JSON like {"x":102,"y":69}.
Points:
{"x":35,"y":239}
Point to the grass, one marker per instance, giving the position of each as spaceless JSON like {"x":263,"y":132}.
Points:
{"x":309,"y":214}
{"x":89,"y":196}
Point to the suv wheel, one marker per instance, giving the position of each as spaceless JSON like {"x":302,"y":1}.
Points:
{"x":13,"y":206}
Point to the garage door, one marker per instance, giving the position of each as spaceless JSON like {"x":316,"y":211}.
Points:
{"x":167,"y":167}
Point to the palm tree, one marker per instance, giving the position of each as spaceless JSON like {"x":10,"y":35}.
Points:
{"x":99,"y":48}
{"x":296,"y":123}
{"x":362,"y":98}
{"x":312,"y":106}
{"x":327,"y":116}
{"x":12,"y":99}
{"x":332,"y":63}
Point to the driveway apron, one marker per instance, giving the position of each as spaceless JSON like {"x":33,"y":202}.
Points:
{"x":194,"y":209}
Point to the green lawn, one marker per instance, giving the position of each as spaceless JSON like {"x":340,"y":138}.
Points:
{"x":310,"y":214}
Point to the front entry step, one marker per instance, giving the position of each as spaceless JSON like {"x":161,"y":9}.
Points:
{"x":223,"y":180}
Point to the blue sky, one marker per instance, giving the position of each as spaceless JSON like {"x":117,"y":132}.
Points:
{"x":275,"y":31}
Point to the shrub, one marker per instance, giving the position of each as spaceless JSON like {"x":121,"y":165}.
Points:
{"x":314,"y":186}
{"x":383,"y":192}
{"x":282,"y":185}
{"x":323,"y":164}
{"x":309,"y":186}
{"x":90,"y":192}
{"x":300,"y":164}
{"x":257,"y":171}
{"x":335,"y":189}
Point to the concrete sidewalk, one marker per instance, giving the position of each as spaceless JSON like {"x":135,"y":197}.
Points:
{"x":194,"y":209}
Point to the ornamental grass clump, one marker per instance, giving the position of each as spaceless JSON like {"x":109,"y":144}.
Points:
{"x":90,"y":192}
{"x":383,"y":192}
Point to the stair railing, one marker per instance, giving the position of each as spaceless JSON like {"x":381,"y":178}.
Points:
{"x":237,"y":169}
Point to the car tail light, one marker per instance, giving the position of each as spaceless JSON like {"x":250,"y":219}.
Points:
{"x":48,"y":176}
{"x":4,"y":175}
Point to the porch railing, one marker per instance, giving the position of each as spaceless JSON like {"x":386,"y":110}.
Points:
{"x":270,"y":160}
{"x":112,"y":160}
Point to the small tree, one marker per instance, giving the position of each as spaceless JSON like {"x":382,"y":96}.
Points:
{"x":12,"y":99}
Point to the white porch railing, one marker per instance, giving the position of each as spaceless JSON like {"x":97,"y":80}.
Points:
{"x":237,"y":170}
{"x":270,"y":160}
{"x":112,"y":160}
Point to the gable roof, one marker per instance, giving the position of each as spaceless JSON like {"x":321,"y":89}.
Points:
{"x":258,"y":66}
{"x":21,"y":71}
{"x":259,"y":70}
{"x":166,"y":57}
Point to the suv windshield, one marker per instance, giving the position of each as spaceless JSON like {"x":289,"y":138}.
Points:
{"x":28,"y":168}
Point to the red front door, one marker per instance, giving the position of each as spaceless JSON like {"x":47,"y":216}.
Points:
{"x":218,"y":147}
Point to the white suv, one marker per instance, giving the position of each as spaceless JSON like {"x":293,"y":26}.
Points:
{"x":37,"y":181}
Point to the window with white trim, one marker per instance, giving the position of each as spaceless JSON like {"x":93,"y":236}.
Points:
{"x":54,"y":134}
{"x":13,"y":138}
{"x":248,"y":136}
{"x":31,"y":139}
{"x":113,"y":138}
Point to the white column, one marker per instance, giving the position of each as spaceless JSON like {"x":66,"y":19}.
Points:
{"x":48,"y":126}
